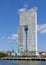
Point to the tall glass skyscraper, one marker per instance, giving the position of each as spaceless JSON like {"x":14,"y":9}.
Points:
{"x":27,"y":32}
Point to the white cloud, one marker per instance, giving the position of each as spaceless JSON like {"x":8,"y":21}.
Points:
{"x":42,"y":28}
{"x":43,"y":31}
{"x":22,"y":10}
{"x":13,"y":37}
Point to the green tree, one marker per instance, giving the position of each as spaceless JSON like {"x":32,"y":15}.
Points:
{"x":3,"y":54}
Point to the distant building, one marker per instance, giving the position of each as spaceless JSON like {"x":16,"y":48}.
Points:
{"x":8,"y":53}
{"x":43,"y":53}
{"x":27,"y":32}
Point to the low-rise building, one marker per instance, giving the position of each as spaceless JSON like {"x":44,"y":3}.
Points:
{"x":8,"y":53}
{"x":43,"y":53}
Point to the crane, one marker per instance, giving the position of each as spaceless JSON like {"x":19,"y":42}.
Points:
{"x":13,"y":51}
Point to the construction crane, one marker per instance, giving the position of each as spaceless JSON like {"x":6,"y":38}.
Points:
{"x":13,"y":51}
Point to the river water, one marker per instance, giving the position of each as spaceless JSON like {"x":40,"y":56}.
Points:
{"x":15,"y":62}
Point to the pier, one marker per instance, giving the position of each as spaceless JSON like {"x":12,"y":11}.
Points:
{"x":23,"y":58}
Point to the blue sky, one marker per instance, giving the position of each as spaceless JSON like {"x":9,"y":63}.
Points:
{"x":9,"y":22}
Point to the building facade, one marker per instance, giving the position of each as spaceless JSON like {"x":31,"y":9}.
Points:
{"x":27,"y":32}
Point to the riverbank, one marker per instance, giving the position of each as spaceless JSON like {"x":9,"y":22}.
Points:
{"x":24,"y":58}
